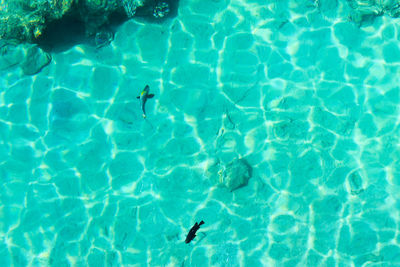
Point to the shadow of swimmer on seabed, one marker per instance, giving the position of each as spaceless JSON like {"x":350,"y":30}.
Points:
{"x":144,"y":95}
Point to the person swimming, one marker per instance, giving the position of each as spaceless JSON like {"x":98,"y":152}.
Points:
{"x":144,"y":95}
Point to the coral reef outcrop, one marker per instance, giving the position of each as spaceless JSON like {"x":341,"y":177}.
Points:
{"x":26,"y":21}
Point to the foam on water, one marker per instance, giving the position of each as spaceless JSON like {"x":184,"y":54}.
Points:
{"x":306,"y":97}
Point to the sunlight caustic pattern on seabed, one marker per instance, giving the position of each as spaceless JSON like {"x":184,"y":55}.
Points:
{"x":295,"y":90}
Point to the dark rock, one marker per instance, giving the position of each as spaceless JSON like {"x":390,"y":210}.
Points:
{"x":130,"y":7}
{"x":30,"y":58}
{"x":160,"y":10}
{"x":35,"y":60}
{"x":10,"y":55}
{"x":26,"y":21}
{"x":103,"y":38}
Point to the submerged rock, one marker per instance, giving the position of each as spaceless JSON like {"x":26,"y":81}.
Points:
{"x":103,"y":38}
{"x":30,"y":58}
{"x":35,"y":60}
{"x":160,"y":10}
{"x":26,"y":20}
{"x":10,"y":55}
{"x":32,"y":21}
{"x":233,"y":175}
{"x":130,"y":7}
{"x":365,"y":10}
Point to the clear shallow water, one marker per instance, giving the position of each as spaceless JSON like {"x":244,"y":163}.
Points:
{"x":307,"y":98}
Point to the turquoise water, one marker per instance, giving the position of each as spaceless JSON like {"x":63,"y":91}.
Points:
{"x":309,"y":100}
